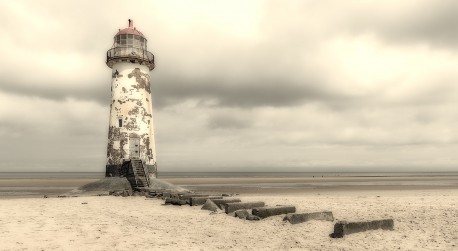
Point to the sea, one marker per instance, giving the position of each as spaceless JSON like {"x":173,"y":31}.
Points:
{"x":37,"y":184}
{"x":167,"y":175}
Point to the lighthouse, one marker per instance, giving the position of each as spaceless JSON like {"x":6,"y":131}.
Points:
{"x":131,"y":149}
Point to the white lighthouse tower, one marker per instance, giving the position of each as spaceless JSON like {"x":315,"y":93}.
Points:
{"x":131,"y":151}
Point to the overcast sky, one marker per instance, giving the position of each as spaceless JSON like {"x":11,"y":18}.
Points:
{"x":238,"y":85}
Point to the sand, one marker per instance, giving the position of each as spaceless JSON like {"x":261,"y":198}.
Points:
{"x":424,"y":220}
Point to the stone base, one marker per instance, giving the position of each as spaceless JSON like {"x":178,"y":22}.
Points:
{"x":113,"y":171}
{"x":120,"y":171}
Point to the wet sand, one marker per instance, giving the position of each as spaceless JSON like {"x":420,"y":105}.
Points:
{"x":38,"y":187}
{"x":304,"y":185}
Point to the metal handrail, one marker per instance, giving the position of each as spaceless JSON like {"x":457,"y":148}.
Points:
{"x":131,"y":53}
{"x":146,"y":174}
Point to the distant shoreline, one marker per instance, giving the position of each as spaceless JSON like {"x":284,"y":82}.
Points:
{"x":165,"y":175}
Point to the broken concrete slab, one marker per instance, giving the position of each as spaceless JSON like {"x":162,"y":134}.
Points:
{"x":189,"y":195}
{"x":173,"y":201}
{"x":197,"y":201}
{"x":220,"y":202}
{"x":342,"y":228}
{"x":210,"y":206}
{"x":242,"y":213}
{"x":264,"y":212}
{"x":304,"y":217}
{"x":232,"y":207}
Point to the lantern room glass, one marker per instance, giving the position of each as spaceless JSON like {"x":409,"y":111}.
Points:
{"x":130,"y":40}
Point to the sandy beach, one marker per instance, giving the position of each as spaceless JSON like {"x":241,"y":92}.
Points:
{"x":425,"y":219}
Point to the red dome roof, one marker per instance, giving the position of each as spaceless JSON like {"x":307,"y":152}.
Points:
{"x":130,"y":30}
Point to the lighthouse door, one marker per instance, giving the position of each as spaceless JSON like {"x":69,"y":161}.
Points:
{"x":134,"y":148}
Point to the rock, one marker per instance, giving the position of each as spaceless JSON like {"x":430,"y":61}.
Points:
{"x":304,"y":217}
{"x":225,"y":195}
{"x":221,"y":202}
{"x":252,"y":217}
{"x":126,"y":193}
{"x":242,"y":213}
{"x":232,"y":207}
{"x":210,"y":206}
{"x":176,"y":195}
{"x":166,"y":195}
{"x":45,"y":196}
{"x":172,"y":201}
{"x":264,"y":212}
{"x":342,"y":228}
{"x":197,"y":201}
{"x":84,"y":203}
{"x":117,"y":193}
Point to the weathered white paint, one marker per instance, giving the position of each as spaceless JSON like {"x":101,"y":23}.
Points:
{"x":131,"y":102}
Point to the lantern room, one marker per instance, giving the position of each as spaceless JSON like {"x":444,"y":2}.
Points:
{"x":130,"y":37}
{"x":130,"y":45}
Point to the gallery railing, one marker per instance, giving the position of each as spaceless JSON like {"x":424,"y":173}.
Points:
{"x":130,"y":53}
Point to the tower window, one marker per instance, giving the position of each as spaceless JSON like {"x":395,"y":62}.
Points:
{"x":120,"y":122}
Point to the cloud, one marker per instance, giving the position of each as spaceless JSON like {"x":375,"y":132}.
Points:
{"x":431,"y":22}
{"x":229,"y":121}
{"x":263,"y":84}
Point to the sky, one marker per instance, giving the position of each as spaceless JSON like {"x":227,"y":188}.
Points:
{"x":312,"y":85}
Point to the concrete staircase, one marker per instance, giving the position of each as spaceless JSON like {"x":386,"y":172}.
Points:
{"x":141,"y":179}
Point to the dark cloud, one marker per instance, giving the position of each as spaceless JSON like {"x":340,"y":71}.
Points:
{"x":242,"y":94}
{"x":99,"y":93}
{"x":228,"y":121}
{"x":431,"y":22}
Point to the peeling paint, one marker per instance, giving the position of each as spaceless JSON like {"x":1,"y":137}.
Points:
{"x":134,"y":111}
{"x":142,"y":80}
{"x":130,"y":101}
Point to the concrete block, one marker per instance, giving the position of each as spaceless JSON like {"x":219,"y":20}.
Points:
{"x":175,"y":196}
{"x":232,"y":207}
{"x":220,"y":202}
{"x":242,"y":213}
{"x":210,"y":206}
{"x":197,"y":201}
{"x":304,"y":217}
{"x":172,"y":201}
{"x":342,"y":228}
{"x":252,"y":217}
{"x":189,"y":195}
{"x":264,"y":212}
